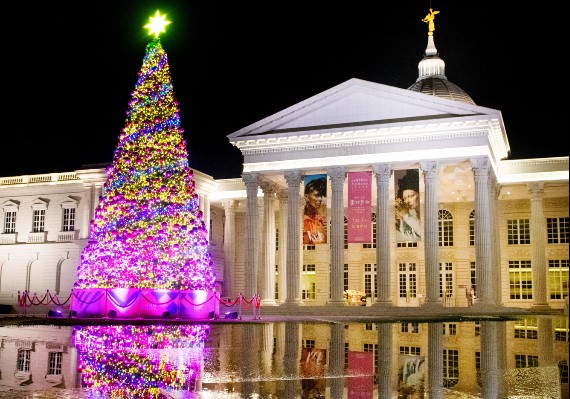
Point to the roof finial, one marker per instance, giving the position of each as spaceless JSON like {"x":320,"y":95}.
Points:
{"x":429,"y":20}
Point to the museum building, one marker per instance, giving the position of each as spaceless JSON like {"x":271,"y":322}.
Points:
{"x":493,"y":231}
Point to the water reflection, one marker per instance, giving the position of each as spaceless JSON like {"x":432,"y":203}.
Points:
{"x":486,"y":359}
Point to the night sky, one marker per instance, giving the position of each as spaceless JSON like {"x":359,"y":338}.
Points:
{"x":69,"y":67}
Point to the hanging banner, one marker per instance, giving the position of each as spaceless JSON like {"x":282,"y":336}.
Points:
{"x":407,"y":204}
{"x":315,"y":210}
{"x":360,"y":207}
{"x":361,"y":366}
{"x":411,"y":376}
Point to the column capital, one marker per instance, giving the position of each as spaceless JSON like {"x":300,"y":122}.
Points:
{"x":293,"y":177}
{"x":268,"y":187}
{"x":336,"y":173}
{"x":429,"y":168}
{"x":382,"y":171}
{"x":249,"y":178}
{"x":230,"y":205}
{"x":480,"y":166}
{"x":535,"y":188}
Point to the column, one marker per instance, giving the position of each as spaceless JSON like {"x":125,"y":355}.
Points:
{"x":291,"y":359}
{"x":228,"y":289}
{"x":267,"y":288}
{"x":434,"y":374}
{"x":282,"y":261}
{"x":494,"y":192}
{"x":483,"y":234}
{"x":336,"y":366}
{"x":251,"y":240}
{"x":383,"y":228}
{"x":293,"y":273}
{"x":337,"y":236}
{"x":385,"y":335}
{"x":538,"y":245}
{"x":431,"y":241}
{"x":490,"y":371}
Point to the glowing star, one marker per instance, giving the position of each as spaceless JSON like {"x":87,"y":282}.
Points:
{"x":157,"y":24}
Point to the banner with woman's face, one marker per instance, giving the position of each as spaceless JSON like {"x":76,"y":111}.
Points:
{"x":407,"y":205}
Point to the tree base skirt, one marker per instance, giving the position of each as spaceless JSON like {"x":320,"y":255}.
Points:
{"x":133,"y":303}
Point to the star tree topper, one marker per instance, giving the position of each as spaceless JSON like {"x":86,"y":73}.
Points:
{"x":157,"y":24}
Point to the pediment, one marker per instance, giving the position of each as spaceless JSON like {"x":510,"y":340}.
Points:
{"x":357,"y":105}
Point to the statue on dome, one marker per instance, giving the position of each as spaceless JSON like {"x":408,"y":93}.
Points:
{"x":429,"y":20}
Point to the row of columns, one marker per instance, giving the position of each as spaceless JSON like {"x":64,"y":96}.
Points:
{"x":261,"y":278}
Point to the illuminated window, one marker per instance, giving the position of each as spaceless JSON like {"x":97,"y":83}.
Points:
{"x":525,"y":361}
{"x":520,"y":279}
{"x":446,"y":280}
{"x":370,"y":280}
{"x":558,"y":278}
{"x":373,"y":243}
{"x":54,"y":363}
{"x":23,"y":363}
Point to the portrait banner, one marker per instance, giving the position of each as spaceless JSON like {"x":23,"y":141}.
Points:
{"x":407,"y":205}
{"x":315,"y":210}
{"x":359,"y":207}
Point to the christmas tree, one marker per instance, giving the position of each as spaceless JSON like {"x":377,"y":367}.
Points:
{"x":148,"y":230}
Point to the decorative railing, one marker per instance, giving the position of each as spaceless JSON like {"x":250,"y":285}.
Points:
{"x":34,"y":238}
{"x":64,"y":236}
{"x":8,"y":238}
{"x":44,"y":178}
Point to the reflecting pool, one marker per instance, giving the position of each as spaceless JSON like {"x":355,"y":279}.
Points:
{"x":527,"y":357}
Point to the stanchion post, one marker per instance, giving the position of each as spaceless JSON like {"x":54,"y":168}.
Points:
{"x":240,"y":305}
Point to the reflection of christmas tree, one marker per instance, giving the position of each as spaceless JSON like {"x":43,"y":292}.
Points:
{"x":139,"y":361}
{"x":148,"y":230}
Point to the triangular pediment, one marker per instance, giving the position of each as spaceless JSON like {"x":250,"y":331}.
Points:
{"x":357,"y":104}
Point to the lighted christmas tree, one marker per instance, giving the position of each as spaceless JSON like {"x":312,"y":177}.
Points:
{"x":148,"y":230}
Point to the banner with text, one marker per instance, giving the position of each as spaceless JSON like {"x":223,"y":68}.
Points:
{"x":361,"y":370}
{"x":315,"y":210}
{"x":360,"y":207}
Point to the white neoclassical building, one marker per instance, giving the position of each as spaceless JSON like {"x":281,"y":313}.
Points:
{"x":496,"y":225}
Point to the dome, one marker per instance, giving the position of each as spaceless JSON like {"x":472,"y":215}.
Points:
{"x":441,"y":87}
{"x":432,"y":80}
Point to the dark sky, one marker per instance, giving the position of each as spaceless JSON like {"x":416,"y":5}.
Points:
{"x":69,"y":68}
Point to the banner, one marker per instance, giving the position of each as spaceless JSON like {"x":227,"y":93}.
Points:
{"x":315,"y":210}
{"x":360,"y":207}
{"x":407,"y":204}
{"x":361,"y":372}
{"x":411,"y":376}
{"x":312,"y":369}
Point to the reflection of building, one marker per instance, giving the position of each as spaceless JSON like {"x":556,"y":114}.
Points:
{"x":38,"y":357}
{"x":499,"y":225}
{"x":527,"y":357}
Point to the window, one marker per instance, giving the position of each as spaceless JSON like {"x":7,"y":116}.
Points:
{"x":276,"y":240}
{"x":410,"y":350}
{"x":346,"y":355}
{"x":308,"y":282}
{"x":524,"y":361}
{"x":276,"y":281}
{"x":373,"y":243}
{"x":370,"y":280}
{"x":413,"y":328}
{"x":472,"y":228}
{"x":449,"y":329}
{"x":563,"y":368}
{"x":558,"y":278}
{"x":478,"y":367}
{"x":526,"y":329}
{"x":345,"y":277}
{"x":518,"y":231}
{"x":308,"y":343}
{"x":450,"y":367}
{"x":408,"y":280}
{"x":446,"y":280}
{"x":445,"y":226}
{"x":68,"y":219}
{"x":477,"y":328}
{"x":54,"y":363}
{"x":9,"y":222}
{"x":39,"y":219}
{"x":473,"y":278}
{"x":561,"y":329}
{"x":520,"y":279}
{"x":374,"y":349}
{"x":23,"y":363}
{"x":406,"y":244}
{"x":557,"y":230}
